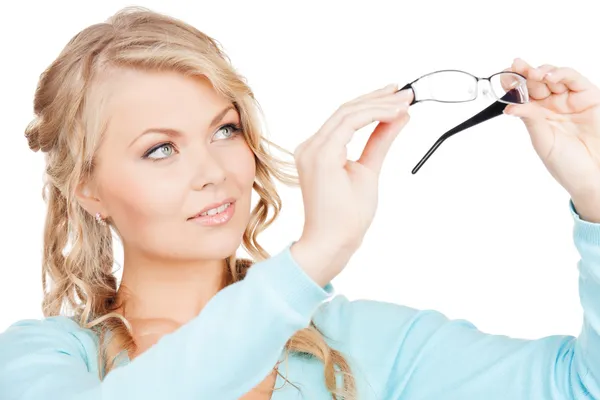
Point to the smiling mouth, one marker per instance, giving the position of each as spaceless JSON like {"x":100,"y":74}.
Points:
{"x":214,"y":209}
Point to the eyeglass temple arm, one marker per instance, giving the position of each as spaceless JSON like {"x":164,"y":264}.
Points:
{"x":492,"y":111}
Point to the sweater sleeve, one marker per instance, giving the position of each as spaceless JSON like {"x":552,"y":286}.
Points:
{"x":225,"y":351}
{"x":451,"y":359}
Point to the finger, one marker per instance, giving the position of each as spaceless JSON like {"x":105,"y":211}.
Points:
{"x":531,"y":114}
{"x":395,"y":99}
{"x":530,"y":111}
{"x":387,"y":95}
{"x":536,"y":119}
{"x":380,"y":142}
{"x":537,"y":89}
{"x":535,"y":112}
{"x":400,"y":99}
{"x":386,"y":90}
{"x":540,"y":73}
{"x":572,"y":79}
{"x":342,"y":135}
{"x":543,"y":71}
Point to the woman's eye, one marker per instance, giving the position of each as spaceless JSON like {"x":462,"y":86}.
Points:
{"x":227,"y":132}
{"x":166,"y":150}
{"x":163,"y":151}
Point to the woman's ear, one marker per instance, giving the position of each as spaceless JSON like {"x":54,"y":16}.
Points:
{"x":87,"y":198}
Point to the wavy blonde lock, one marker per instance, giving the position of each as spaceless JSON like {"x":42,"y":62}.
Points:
{"x":77,"y":272}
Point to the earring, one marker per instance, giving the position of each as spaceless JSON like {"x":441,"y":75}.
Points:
{"x":100,"y":220}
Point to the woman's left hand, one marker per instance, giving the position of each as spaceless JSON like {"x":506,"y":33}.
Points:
{"x":563,"y":120}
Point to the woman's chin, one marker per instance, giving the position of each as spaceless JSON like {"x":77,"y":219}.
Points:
{"x":217,"y":247}
{"x":219,"y":251}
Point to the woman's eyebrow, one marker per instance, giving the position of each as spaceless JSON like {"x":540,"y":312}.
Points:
{"x":175,"y":133}
{"x":221,"y":115}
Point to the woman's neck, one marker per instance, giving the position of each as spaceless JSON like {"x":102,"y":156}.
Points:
{"x":167,"y":292}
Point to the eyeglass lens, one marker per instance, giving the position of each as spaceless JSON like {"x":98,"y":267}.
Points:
{"x":456,"y":86}
{"x":509,"y":87}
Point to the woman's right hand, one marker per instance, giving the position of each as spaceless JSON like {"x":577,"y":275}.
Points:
{"x":340,"y":195}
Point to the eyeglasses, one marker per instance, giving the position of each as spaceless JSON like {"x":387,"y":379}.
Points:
{"x":454,"y":86}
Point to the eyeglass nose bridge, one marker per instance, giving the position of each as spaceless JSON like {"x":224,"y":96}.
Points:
{"x":484,"y":87}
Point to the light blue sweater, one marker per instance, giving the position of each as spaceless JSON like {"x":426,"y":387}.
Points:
{"x":395,"y":352}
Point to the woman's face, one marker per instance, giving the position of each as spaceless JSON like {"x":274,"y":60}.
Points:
{"x":172,"y":149}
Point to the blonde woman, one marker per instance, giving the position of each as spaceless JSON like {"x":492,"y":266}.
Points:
{"x":150,"y":133}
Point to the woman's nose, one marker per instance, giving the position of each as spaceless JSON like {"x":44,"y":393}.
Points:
{"x":208,"y":170}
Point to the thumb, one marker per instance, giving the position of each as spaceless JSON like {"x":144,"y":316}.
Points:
{"x":532,"y":114}
{"x":380,"y":142}
{"x":526,"y":111}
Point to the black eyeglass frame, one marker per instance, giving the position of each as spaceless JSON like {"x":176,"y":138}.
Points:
{"x":492,"y":111}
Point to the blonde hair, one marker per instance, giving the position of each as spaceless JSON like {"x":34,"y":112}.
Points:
{"x":67,"y":128}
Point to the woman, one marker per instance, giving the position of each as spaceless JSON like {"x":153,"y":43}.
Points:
{"x":149,"y":132}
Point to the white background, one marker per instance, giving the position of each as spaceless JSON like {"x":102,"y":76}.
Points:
{"x":482,"y":232}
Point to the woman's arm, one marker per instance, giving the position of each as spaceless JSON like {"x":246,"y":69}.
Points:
{"x":229,"y":348}
{"x":421,"y":354}
{"x":459,"y":362}
{"x":239,"y":336}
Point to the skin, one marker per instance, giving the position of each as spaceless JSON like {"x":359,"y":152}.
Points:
{"x":563,"y":122}
{"x":562,"y":119}
{"x":170,"y":277}
{"x":172,"y":266}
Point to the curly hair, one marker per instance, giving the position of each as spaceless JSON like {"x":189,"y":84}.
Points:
{"x":77,"y":272}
